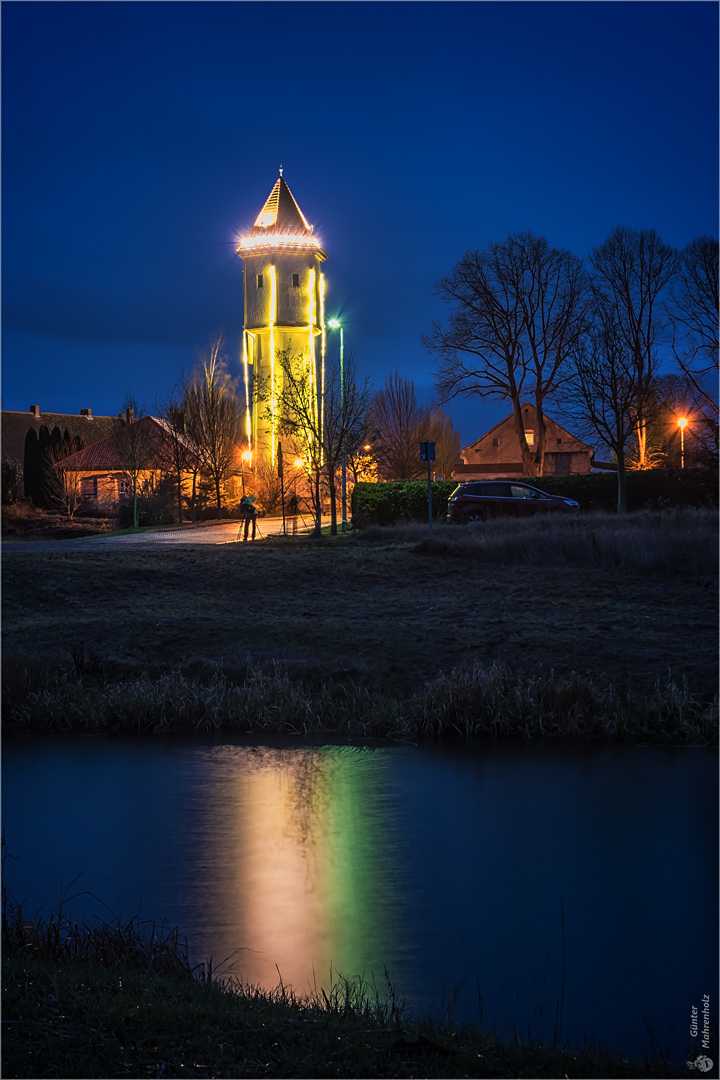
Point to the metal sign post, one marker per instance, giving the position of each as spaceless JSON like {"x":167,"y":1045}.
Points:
{"x":427,"y":453}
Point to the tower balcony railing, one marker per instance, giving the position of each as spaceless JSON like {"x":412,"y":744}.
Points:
{"x":282,"y":242}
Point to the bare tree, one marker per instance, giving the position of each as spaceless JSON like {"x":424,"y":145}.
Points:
{"x":137,"y":445}
{"x":179,"y":456}
{"x":694,"y":314}
{"x":601,"y":392}
{"x":297,"y":414}
{"x":64,"y":488}
{"x":519,"y":309}
{"x":345,"y":423}
{"x":631,"y":271}
{"x":399,"y":424}
{"x":213,"y":417}
{"x":439,"y":429}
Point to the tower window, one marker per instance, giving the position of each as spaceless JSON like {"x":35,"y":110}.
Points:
{"x":260,"y":281}
{"x":296,"y":281}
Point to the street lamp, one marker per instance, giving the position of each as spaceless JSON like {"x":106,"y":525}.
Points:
{"x":682,"y":422}
{"x":335,"y":324}
{"x":245,"y":456}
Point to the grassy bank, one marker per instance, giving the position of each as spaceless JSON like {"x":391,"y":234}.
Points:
{"x":585,"y":626}
{"x":681,"y":540}
{"x":125,"y":1000}
{"x":464,"y":702}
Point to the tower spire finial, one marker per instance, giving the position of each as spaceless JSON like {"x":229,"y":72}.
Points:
{"x":281,"y":170}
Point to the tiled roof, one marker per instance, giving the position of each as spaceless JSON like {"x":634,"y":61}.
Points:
{"x":105,"y":455}
{"x":16,"y":425}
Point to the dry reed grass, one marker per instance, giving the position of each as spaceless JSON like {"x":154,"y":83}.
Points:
{"x":478,"y":700}
{"x":683,"y":540}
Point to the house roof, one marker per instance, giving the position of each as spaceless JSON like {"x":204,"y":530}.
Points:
{"x":105,"y":455}
{"x":570,"y":441}
{"x":16,"y":425}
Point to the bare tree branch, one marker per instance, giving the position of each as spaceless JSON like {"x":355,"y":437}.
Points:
{"x":519,"y":308}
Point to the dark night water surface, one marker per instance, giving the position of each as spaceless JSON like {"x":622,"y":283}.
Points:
{"x":445,"y":864}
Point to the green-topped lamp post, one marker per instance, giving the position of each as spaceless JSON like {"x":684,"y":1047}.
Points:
{"x":335,"y":324}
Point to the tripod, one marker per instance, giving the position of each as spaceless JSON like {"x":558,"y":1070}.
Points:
{"x":256,"y":530}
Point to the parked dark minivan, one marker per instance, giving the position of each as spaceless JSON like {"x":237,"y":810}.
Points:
{"x":478,"y":500}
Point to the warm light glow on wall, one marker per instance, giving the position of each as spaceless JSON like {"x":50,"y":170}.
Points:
{"x":273,"y":320}
{"x":311,"y":342}
{"x":248,"y":421}
{"x":322,"y":355}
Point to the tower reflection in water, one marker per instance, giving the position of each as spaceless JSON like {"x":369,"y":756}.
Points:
{"x":297,"y":881}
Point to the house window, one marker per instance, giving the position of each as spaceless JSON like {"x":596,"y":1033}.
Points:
{"x":296,"y":281}
{"x":530,"y":438}
{"x":260,"y":281}
{"x":559,"y":442}
{"x":124,"y":488}
{"x":496,"y":442}
{"x":88,"y":487}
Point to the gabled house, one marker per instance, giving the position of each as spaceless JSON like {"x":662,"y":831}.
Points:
{"x":497,"y":452}
{"x":102,"y":472}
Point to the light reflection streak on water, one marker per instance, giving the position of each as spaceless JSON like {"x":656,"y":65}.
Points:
{"x":308,"y":876}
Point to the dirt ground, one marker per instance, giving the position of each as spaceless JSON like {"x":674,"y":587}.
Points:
{"x":386,"y":614}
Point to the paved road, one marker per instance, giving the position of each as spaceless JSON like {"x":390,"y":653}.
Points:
{"x":226,"y":533}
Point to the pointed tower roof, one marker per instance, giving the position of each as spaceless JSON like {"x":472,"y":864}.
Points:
{"x":281,"y":213}
{"x":280,"y":224}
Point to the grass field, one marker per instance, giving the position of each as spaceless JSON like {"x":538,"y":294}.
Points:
{"x":626,"y":605}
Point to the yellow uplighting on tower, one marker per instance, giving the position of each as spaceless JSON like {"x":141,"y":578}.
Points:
{"x":284,"y":311}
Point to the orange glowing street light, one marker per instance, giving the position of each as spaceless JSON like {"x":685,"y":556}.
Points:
{"x":245,"y":456}
{"x":682,"y":422}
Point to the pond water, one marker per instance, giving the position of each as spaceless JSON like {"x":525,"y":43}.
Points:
{"x":446,"y":864}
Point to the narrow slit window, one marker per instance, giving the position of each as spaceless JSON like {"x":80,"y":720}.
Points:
{"x":296,"y":281}
{"x":559,"y":442}
{"x":259,"y":281}
{"x":496,"y":442}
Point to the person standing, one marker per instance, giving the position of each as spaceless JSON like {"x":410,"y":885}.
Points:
{"x":292,"y":510}
{"x":248,"y":514}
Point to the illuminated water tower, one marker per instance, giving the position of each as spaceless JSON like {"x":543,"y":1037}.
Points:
{"x":284,"y":307}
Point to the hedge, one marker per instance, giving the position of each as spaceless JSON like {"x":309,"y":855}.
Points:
{"x":390,"y":503}
{"x":652,"y":489}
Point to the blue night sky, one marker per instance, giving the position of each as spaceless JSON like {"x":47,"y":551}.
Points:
{"x":139,"y":138}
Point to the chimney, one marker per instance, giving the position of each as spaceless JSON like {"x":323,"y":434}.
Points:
{"x":86,"y":412}
{"x":35,"y":410}
{"x":129,"y":416}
